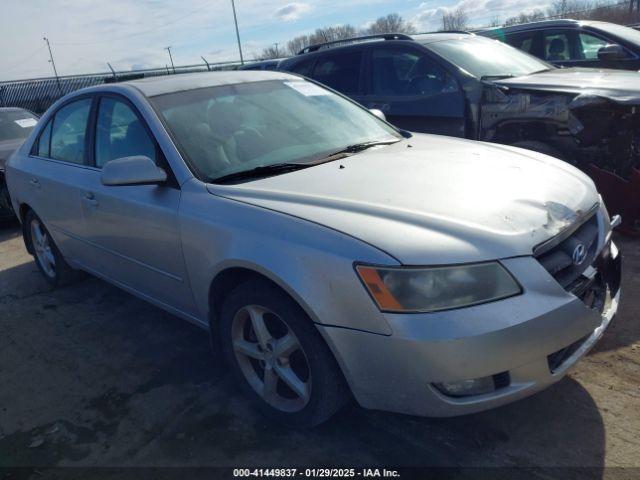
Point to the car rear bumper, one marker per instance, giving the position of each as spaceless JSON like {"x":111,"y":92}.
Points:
{"x":529,"y":342}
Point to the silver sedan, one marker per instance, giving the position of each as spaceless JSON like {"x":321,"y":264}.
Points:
{"x":329,"y":254}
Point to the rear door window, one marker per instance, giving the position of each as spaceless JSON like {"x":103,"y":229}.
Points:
{"x":303,"y":68}
{"x":69,"y":132}
{"x":522,"y":41}
{"x":340,"y":71}
{"x":557,"y":47}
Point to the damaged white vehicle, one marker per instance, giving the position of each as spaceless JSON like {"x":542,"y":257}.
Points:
{"x":328,"y":253}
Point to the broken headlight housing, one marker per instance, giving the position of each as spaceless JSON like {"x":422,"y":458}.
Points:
{"x":414,"y":290}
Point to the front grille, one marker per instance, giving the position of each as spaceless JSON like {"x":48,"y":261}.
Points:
{"x":559,"y":260}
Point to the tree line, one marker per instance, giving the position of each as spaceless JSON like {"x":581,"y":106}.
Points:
{"x":391,"y":23}
{"x":455,"y":20}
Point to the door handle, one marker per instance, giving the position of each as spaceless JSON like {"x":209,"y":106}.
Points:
{"x":90,"y":198}
{"x":34,"y":182}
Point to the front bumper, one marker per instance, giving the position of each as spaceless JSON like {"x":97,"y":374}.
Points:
{"x":534,"y":338}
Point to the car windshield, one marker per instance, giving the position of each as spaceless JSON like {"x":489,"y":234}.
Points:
{"x":625,"y":33}
{"x":235,"y":128}
{"x":483,"y":57}
{"x":16,"y":124}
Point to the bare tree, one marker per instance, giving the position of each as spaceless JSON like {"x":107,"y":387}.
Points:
{"x":495,"y":21}
{"x":392,"y":23}
{"x":457,"y":19}
{"x":567,"y":8}
{"x":533,"y":16}
{"x":321,"y":35}
{"x":267,"y":54}
{"x":296,"y":44}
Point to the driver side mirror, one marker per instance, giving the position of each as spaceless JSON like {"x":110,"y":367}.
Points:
{"x":137,"y":170}
{"x":378,"y":113}
{"x":612,"y":51}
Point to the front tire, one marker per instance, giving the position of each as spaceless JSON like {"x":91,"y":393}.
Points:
{"x":278,"y":357}
{"x":48,"y":258}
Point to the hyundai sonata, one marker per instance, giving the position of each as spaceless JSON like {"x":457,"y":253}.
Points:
{"x":329,"y":254}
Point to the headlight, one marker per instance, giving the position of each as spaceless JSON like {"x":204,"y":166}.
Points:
{"x":410,"y":289}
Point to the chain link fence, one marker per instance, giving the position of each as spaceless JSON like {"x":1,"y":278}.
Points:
{"x":38,"y":94}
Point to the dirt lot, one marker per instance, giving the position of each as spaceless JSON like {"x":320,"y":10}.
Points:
{"x":91,"y":376}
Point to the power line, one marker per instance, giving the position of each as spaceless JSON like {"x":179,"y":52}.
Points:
{"x":23,"y":60}
{"x":136,"y":34}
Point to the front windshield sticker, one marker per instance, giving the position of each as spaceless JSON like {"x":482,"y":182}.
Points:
{"x":26,"y":122}
{"x":307,"y":89}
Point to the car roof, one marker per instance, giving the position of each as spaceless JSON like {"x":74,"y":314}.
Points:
{"x":190,"y":81}
{"x":367,"y":40}
{"x":541,"y":24}
{"x":425,"y":38}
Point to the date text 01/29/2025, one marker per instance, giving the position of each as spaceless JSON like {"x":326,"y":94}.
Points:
{"x":316,"y":472}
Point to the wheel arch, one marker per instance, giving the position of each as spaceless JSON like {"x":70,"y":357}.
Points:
{"x":232,"y":274}
{"x":24,"y":209}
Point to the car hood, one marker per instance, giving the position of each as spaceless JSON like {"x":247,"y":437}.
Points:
{"x":432,"y":199}
{"x":7,"y":147}
{"x":622,"y":86}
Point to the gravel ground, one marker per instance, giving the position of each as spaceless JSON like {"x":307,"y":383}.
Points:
{"x":91,"y":376}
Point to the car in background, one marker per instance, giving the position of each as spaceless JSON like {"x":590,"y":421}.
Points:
{"x":328,"y":254}
{"x":261,"y":65}
{"x":574,"y":43}
{"x":15,"y":125}
{"x":469,"y":86}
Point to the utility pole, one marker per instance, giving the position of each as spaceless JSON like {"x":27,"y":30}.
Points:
{"x":235,"y":20}
{"x":53,"y":64}
{"x":277,"y":53}
{"x":168,"y":49}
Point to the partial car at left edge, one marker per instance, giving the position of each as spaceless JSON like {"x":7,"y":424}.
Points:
{"x":15,"y":125}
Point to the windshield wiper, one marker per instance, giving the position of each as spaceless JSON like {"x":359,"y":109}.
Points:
{"x":495,"y":77}
{"x":261,"y":171}
{"x":355,"y":148}
{"x":543,"y":70}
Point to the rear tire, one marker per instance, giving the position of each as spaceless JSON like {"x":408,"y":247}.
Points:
{"x":278,"y":357}
{"x":48,"y":258}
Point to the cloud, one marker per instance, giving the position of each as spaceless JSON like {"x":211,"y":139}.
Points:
{"x":480,"y":12}
{"x":292,"y":11}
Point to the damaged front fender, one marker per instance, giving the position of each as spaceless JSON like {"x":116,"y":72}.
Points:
{"x":597,"y":134}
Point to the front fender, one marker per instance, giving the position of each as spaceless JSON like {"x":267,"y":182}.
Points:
{"x":312,"y":263}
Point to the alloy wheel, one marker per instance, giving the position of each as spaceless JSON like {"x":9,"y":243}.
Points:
{"x":42,"y":246}
{"x":271,"y":358}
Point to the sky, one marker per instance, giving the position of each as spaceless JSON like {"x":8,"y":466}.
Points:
{"x":86,"y":34}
